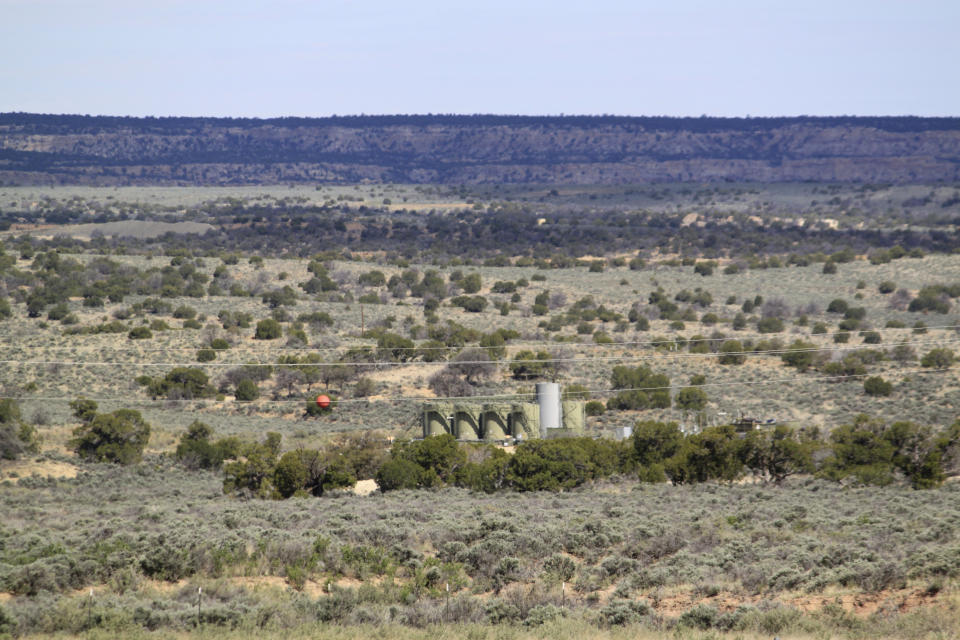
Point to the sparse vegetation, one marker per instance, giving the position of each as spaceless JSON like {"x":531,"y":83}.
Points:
{"x":195,"y":350}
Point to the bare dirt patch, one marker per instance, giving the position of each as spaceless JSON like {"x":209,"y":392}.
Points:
{"x":856,"y":603}
{"x":16,"y":469}
{"x":365,"y":487}
{"x":130,"y":228}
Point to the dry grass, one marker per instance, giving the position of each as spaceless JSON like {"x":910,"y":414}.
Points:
{"x":16,"y":469}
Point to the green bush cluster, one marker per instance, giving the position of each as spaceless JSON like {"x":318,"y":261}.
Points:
{"x":473,"y":304}
{"x":642,"y":389}
{"x":529,"y":365}
{"x":260,"y":470}
{"x":119,"y":436}
{"x":196,"y":451}
{"x":935,"y":298}
{"x":16,"y":436}
{"x":179,"y":383}
{"x":657,"y":452}
{"x":875,"y":453}
{"x":537,"y":465}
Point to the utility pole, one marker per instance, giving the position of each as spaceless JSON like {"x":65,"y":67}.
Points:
{"x":199,"y":597}
{"x":362,"y":332}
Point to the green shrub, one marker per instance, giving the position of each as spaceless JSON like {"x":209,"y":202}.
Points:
{"x":644,"y":389}
{"x":691,"y":399}
{"x":8,"y":623}
{"x":527,"y":365}
{"x":623,"y":612}
{"x":374,"y":278}
{"x":800,"y":355}
{"x":705,"y":268}
{"x":117,"y":437}
{"x":940,"y":358}
{"x":716,"y":453}
{"x":196,"y":451}
{"x":394,"y":347}
{"x":877,"y":386}
{"x":859,"y":450}
{"x":247,"y":391}
{"x":594,"y":408}
{"x":180,"y":383}
{"x":398,"y":473}
{"x":838,"y":305}
{"x":184,"y":312}
{"x":778,"y":453}
{"x":254,"y":473}
{"x":473,"y":304}
{"x":140,"y":333}
{"x":268,"y":329}
{"x":770,"y":325}
{"x":929,"y":299}
{"x":731,"y":352}
{"x":542,"y":614}
{"x":471,"y":283}
{"x":699,"y":617}
{"x":16,"y":436}
{"x":601,"y":337}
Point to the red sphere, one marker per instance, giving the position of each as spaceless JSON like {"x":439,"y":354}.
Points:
{"x":323,"y":402}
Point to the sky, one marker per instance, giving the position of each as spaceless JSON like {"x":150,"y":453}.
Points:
{"x":537,"y":57}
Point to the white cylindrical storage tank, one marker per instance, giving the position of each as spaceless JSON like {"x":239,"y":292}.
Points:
{"x":548,"y":397}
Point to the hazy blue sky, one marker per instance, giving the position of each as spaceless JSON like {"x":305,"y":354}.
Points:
{"x":322,"y":57}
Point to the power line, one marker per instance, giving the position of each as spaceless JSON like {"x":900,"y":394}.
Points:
{"x":507,"y":362}
{"x":529,"y":343}
{"x":370,"y":400}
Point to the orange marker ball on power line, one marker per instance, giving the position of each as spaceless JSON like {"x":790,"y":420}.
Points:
{"x":323,"y":402}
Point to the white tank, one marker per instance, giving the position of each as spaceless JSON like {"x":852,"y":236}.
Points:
{"x":548,"y":397}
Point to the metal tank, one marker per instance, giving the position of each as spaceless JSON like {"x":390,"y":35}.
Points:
{"x":525,"y":421}
{"x":467,"y":422}
{"x":437,"y":419}
{"x":496,"y":418}
{"x":548,"y":397}
{"x":573,"y":416}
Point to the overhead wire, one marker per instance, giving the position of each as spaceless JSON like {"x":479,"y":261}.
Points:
{"x":526,"y":343}
{"x":421,"y":363}
{"x":475,"y":398}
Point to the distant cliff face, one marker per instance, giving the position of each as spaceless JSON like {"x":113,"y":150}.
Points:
{"x":41,"y":149}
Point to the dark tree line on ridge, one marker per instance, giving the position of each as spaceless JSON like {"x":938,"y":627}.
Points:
{"x":478,"y":235}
